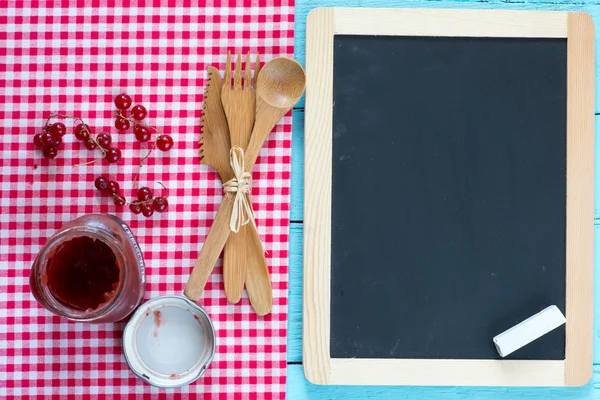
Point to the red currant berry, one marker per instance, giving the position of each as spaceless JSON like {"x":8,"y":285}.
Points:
{"x":123,"y":101}
{"x":122,"y":124}
{"x":147,"y":209}
{"x":47,"y":139}
{"x":104,"y":140}
{"x":90,"y":144}
{"x":142,"y":134}
{"x":101,"y":183}
{"x":119,"y":200}
{"x":113,"y":155}
{"x":50,"y":152}
{"x":164,"y":142}
{"x":37,"y":140}
{"x":144,"y":193}
{"x":135,"y":208}
{"x":58,"y":129}
{"x":82,"y":132}
{"x":138,"y":112}
{"x":160,"y":204}
{"x":57,"y":141}
{"x":113,"y":187}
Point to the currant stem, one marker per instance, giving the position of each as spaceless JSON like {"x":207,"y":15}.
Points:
{"x":137,"y":174}
{"x":151,"y":200}
{"x":135,"y":122}
{"x":139,"y":169}
{"x":85,"y":126}
{"x":164,"y":187}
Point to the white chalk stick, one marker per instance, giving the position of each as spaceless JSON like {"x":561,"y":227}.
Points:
{"x":529,"y":330}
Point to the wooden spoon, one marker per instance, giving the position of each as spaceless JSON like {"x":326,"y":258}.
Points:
{"x":280,"y":86}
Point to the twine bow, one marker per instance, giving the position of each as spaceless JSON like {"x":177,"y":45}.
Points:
{"x":240,"y":185}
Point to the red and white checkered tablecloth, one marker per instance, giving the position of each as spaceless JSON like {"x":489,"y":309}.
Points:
{"x":74,"y":57}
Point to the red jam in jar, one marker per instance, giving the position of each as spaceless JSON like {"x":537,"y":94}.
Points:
{"x":90,"y":270}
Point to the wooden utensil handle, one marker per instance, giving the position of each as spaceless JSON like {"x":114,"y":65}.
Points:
{"x":235,"y":262}
{"x":258,"y":281}
{"x":263,"y":125}
{"x":215,"y":241}
{"x":219,"y":231}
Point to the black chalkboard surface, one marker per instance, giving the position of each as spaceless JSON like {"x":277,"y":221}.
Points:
{"x":448,"y":206}
{"x":448,"y":196}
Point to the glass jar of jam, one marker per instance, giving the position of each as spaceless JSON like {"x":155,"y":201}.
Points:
{"x":91,"y":270}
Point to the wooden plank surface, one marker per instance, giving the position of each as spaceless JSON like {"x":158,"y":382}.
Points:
{"x":303,"y":7}
{"x":317,"y":206}
{"x":580,"y":203}
{"x":454,"y":23}
{"x":299,"y":388}
{"x":297,"y":385}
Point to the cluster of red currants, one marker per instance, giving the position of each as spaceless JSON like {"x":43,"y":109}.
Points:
{"x":112,"y":187}
{"x":50,"y":139}
{"x":102,"y":141}
{"x":146,"y":204}
{"x":138,"y":113}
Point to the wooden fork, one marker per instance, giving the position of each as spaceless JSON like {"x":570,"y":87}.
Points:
{"x":239,"y":103}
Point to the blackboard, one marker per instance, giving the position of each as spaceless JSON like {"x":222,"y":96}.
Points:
{"x":447,"y":199}
{"x":472,"y":240}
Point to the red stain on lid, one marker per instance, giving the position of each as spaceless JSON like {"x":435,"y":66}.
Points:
{"x":157,"y":322}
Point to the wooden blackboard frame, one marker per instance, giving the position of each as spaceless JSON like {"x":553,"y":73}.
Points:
{"x":322,"y":25}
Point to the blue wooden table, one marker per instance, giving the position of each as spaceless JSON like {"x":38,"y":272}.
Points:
{"x":297,"y":385}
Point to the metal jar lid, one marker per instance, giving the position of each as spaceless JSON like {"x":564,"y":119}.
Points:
{"x":169,"y":341}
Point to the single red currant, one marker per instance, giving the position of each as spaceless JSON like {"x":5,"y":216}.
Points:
{"x":113,"y":155}
{"x":50,"y":152}
{"x":57,"y":141}
{"x":101,"y":183}
{"x":113,"y":187}
{"x":142,"y":134}
{"x":104,"y":140}
{"x":90,"y":144}
{"x":119,"y":200}
{"x":147,"y":209}
{"x":160,"y":204}
{"x":144,"y":193}
{"x":82,"y":132}
{"x":123,"y":101}
{"x":164,"y":142}
{"x":138,"y":112}
{"x":122,"y":124}
{"x":47,"y":139}
{"x":58,"y":129}
{"x":37,"y":140}
{"x":135,"y":208}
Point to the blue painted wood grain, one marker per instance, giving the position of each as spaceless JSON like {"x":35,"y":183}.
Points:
{"x":303,"y":7}
{"x":300,"y":388}
{"x":297,"y":385}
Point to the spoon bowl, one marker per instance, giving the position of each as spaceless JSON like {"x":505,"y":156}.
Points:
{"x":281,"y":83}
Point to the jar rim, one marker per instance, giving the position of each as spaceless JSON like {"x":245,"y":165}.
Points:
{"x":54,"y":303}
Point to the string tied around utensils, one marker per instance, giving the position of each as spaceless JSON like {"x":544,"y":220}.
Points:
{"x":239,"y":185}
